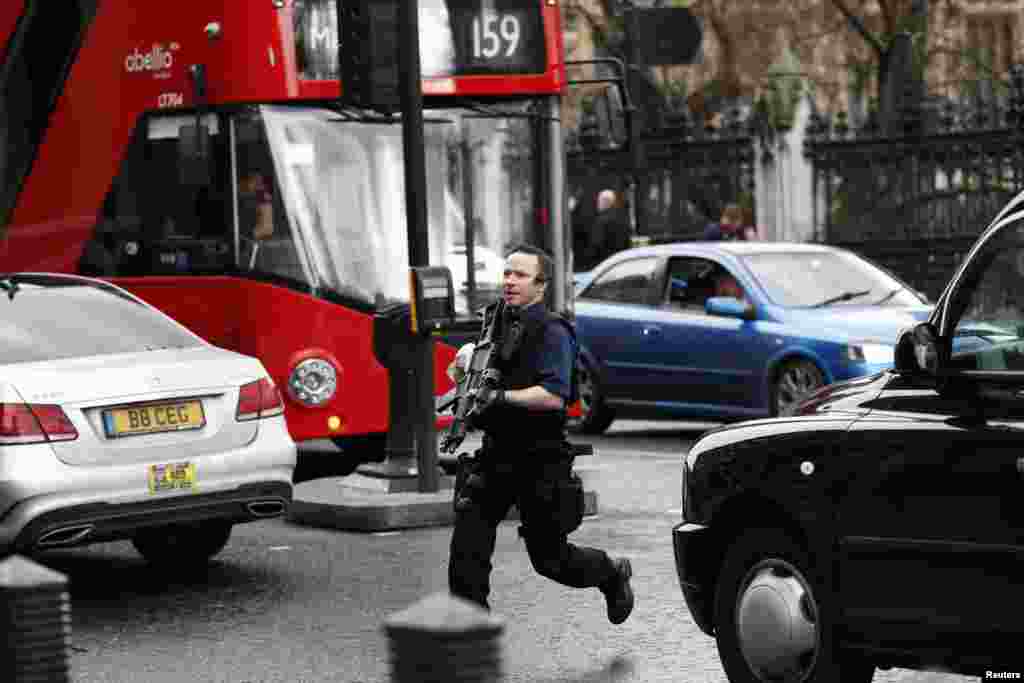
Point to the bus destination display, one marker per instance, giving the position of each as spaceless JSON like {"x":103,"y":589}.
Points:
{"x":457,"y":37}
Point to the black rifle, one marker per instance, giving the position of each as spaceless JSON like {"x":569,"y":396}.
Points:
{"x":480,"y":373}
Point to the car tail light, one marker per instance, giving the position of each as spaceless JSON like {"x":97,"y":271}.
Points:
{"x":21,"y":423}
{"x":259,"y":399}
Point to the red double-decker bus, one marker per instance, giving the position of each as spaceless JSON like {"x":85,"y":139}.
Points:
{"x":205,"y":157}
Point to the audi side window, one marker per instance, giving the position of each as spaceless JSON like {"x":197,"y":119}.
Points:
{"x":628,"y":282}
{"x":989,"y":334}
{"x":690,"y":282}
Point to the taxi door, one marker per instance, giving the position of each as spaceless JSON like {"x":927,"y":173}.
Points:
{"x":932,"y":508}
{"x":932,"y":519}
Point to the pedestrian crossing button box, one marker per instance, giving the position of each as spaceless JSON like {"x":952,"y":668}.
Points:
{"x":433,"y":299}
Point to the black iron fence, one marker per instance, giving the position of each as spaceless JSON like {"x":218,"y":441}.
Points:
{"x":914,"y":195}
{"x":687,"y":172}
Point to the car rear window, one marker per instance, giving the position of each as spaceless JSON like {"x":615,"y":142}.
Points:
{"x":53,"y":321}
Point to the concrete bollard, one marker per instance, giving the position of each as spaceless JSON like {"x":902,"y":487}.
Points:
{"x":444,"y":639}
{"x":35,"y":618}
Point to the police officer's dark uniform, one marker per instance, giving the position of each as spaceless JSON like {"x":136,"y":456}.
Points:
{"x":526,"y":461}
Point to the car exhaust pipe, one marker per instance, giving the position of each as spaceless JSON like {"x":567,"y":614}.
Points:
{"x":266,"y":508}
{"x":66,"y":535}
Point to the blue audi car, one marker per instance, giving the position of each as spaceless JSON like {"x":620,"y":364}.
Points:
{"x":731,"y":330}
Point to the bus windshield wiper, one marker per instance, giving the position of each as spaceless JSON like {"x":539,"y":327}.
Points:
{"x":845,"y":296}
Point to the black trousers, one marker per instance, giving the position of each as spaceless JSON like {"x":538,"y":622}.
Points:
{"x":552,"y":556}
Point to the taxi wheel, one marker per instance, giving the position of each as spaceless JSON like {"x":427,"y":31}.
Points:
{"x":771,"y":617}
{"x":595,"y":417}
{"x":177,"y":544}
{"x":794,"y":382}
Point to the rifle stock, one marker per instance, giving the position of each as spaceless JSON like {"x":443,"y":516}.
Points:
{"x":480,"y":373}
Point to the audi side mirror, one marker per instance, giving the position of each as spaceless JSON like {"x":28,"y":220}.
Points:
{"x":729,"y":307}
{"x":917,"y":350}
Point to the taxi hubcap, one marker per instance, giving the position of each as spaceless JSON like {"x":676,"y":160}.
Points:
{"x":777,"y":622}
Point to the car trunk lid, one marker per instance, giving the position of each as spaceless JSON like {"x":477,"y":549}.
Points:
{"x":166,"y":405}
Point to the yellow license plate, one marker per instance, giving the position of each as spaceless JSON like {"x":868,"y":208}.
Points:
{"x":162,"y":417}
{"x":174,"y":476}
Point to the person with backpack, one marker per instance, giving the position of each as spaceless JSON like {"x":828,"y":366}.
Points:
{"x":525,"y":458}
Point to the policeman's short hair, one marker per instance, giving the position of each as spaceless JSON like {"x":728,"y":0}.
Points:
{"x":547,"y":264}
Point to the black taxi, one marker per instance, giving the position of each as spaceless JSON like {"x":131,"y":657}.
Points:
{"x":881,"y":524}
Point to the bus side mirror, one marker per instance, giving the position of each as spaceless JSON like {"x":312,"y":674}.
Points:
{"x":195,"y":155}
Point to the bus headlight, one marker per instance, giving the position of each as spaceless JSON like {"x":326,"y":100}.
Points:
{"x":313,"y":382}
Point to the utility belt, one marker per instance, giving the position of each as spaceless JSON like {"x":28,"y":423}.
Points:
{"x":553,"y":450}
{"x":548,"y":501}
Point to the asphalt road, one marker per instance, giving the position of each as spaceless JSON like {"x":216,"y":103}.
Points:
{"x":293,"y":604}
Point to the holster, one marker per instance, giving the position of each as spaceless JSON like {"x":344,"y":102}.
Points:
{"x":468,"y":481}
{"x":558,"y":504}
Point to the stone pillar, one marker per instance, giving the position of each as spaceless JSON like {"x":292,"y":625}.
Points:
{"x":444,"y":639}
{"x":35,"y":618}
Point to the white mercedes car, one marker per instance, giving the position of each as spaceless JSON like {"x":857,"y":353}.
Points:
{"x":118,"y":423}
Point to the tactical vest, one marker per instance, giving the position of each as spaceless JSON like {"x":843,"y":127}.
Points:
{"x":509,"y":424}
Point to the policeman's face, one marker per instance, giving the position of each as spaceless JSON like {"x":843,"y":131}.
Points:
{"x":522,"y":286}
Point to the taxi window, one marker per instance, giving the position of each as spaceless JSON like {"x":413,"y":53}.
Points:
{"x":628,"y":282}
{"x":989,"y":334}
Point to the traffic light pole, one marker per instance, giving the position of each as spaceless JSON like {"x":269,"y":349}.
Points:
{"x":638,"y":160}
{"x":411,"y":94}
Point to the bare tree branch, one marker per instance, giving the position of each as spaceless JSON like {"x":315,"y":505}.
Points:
{"x":857,"y":24}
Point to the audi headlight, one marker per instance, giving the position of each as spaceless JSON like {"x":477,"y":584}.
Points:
{"x":313,"y":382}
{"x":871,"y":353}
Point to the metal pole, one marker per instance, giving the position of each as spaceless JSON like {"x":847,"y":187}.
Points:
{"x":469,"y":217}
{"x":416,"y":225}
{"x":638,"y":161}
{"x":561,"y":232}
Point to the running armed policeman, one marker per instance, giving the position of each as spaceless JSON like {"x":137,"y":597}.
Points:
{"x":525,"y":459}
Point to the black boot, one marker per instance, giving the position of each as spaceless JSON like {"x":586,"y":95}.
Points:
{"x":618,"y":593}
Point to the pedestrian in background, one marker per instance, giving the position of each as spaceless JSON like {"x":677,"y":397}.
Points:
{"x":748,"y":231}
{"x":525,"y":458}
{"x":609,"y":233}
{"x":728,"y":225}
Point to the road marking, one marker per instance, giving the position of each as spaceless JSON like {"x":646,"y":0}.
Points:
{"x":647,"y":454}
{"x":386,"y":533}
{"x":611,"y":466}
{"x":279,"y":547}
{"x":674,"y":511}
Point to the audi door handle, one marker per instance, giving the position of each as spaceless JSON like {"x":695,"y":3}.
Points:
{"x":651,"y":331}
